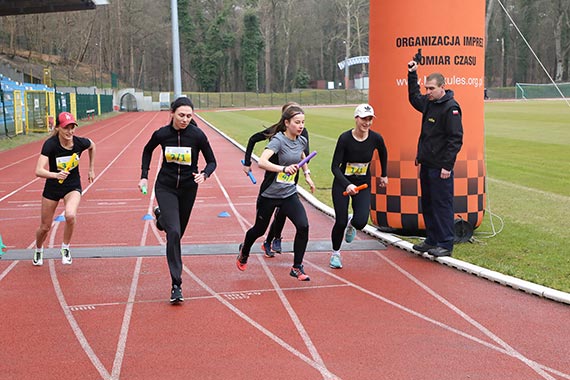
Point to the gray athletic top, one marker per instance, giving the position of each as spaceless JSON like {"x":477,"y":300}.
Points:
{"x":289,"y":153}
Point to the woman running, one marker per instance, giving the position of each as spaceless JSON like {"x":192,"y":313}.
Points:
{"x":59,"y":164}
{"x":351,"y":168}
{"x":280,"y":161}
{"x":177,"y":183}
{"x":272,"y":242}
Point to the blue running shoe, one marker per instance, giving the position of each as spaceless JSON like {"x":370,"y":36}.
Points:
{"x":350,"y":232}
{"x":299,"y":273}
{"x":335,"y":262}
{"x":276,"y":245}
{"x":266,"y":247}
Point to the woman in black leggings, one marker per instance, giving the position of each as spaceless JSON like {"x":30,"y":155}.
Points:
{"x":280,"y":161}
{"x":351,"y":168}
{"x":272,"y":242}
{"x":177,"y":183}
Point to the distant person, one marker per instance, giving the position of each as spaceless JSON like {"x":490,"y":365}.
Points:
{"x":351,"y":168}
{"x":440,"y":140}
{"x":280,"y":161}
{"x":59,"y":164}
{"x":272,"y":242}
{"x":181,"y":142}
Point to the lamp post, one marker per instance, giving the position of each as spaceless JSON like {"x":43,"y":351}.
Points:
{"x":346,"y":55}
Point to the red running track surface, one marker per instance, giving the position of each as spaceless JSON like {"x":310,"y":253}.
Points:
{"x":387,"y":314}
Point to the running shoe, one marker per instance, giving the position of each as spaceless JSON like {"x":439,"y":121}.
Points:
{"x":157,"y":215}
{"x":266,"y":247}
{"x":65,"y":256}
{"x":38,"y":258}
{"x":176,"y":295}
{"x":299,"y":273}
{"x":335,"y":262}
{"x":276,"y":245}
{"x":350,"y":231}
{"x":241,"y":261}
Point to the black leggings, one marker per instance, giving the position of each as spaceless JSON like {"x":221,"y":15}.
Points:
{"x":291,"y":208}
{"x":175,"y":209}
{"x":276,"y":227}
{"x":360,"y":208}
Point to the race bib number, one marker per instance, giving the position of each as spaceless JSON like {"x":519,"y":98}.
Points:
{"x":284,"y":178}
{"x":178,"y":154}
{"x":64,"y":162}
{"x":356,"y":168}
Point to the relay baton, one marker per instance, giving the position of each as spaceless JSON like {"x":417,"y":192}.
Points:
{"x":69,"y":164}
{"x":358,"y":188}
{"x":250,"y":174}
{"x":307,"y":159}
{"x":144,"y":190}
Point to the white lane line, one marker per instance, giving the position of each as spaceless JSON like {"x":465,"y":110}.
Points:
{"x":230,"y":294}
{"x":510,"y":350}
{"x":286,"y":304}
{"x":318,"y":366}
{"x":74,"y":326}
{"x":7,"y":270}
{"x":294,"y":317}
{"x":120,"y":353}
{"x":426,"y":318}
{"x":18,"y":189}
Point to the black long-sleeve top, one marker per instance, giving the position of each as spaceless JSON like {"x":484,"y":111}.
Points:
{"x":357,"y":155}
{"x":441,"y":136}
{"x":180,"y":149}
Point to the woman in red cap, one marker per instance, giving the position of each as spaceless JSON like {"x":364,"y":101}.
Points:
{"x":58,"y":164}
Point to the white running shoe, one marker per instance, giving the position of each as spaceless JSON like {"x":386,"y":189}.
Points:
{"x":38,"y":258}
{"x":65,"y":256}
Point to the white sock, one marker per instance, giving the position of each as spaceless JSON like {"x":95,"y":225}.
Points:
{"x":64,"y":246}
{"x":336,"y":253}
{"x":41,"y":249}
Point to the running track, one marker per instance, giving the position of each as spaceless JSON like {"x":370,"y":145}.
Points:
{"x":388,"y":314}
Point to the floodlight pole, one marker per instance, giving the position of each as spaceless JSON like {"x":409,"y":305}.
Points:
{"x":175,"y":50}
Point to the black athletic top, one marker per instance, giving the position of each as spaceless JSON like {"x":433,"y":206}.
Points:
{"x":58,"y":156}
{"x":351,"y":158}
{"x":441,"y":137}
{"x":180,"y":149}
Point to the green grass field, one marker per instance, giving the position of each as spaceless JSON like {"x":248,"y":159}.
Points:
{"x":528,"y":181}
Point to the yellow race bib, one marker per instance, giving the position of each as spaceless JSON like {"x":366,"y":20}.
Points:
{"x":178,"y":154}
{"x":284,"y":178}
{"x":356,"y":168}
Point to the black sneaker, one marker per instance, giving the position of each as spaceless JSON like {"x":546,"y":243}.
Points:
{"x":157,"y":215}
{"x":176,"y":295}
{"x":439,"y":252}
{"x":422,"y":247}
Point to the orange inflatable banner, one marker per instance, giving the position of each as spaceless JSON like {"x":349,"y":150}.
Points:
{"x":451,"y":36}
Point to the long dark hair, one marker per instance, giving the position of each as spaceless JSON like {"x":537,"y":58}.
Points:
{"x":288,"y":114}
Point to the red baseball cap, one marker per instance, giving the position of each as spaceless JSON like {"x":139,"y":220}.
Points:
{"x":64,"y":119}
